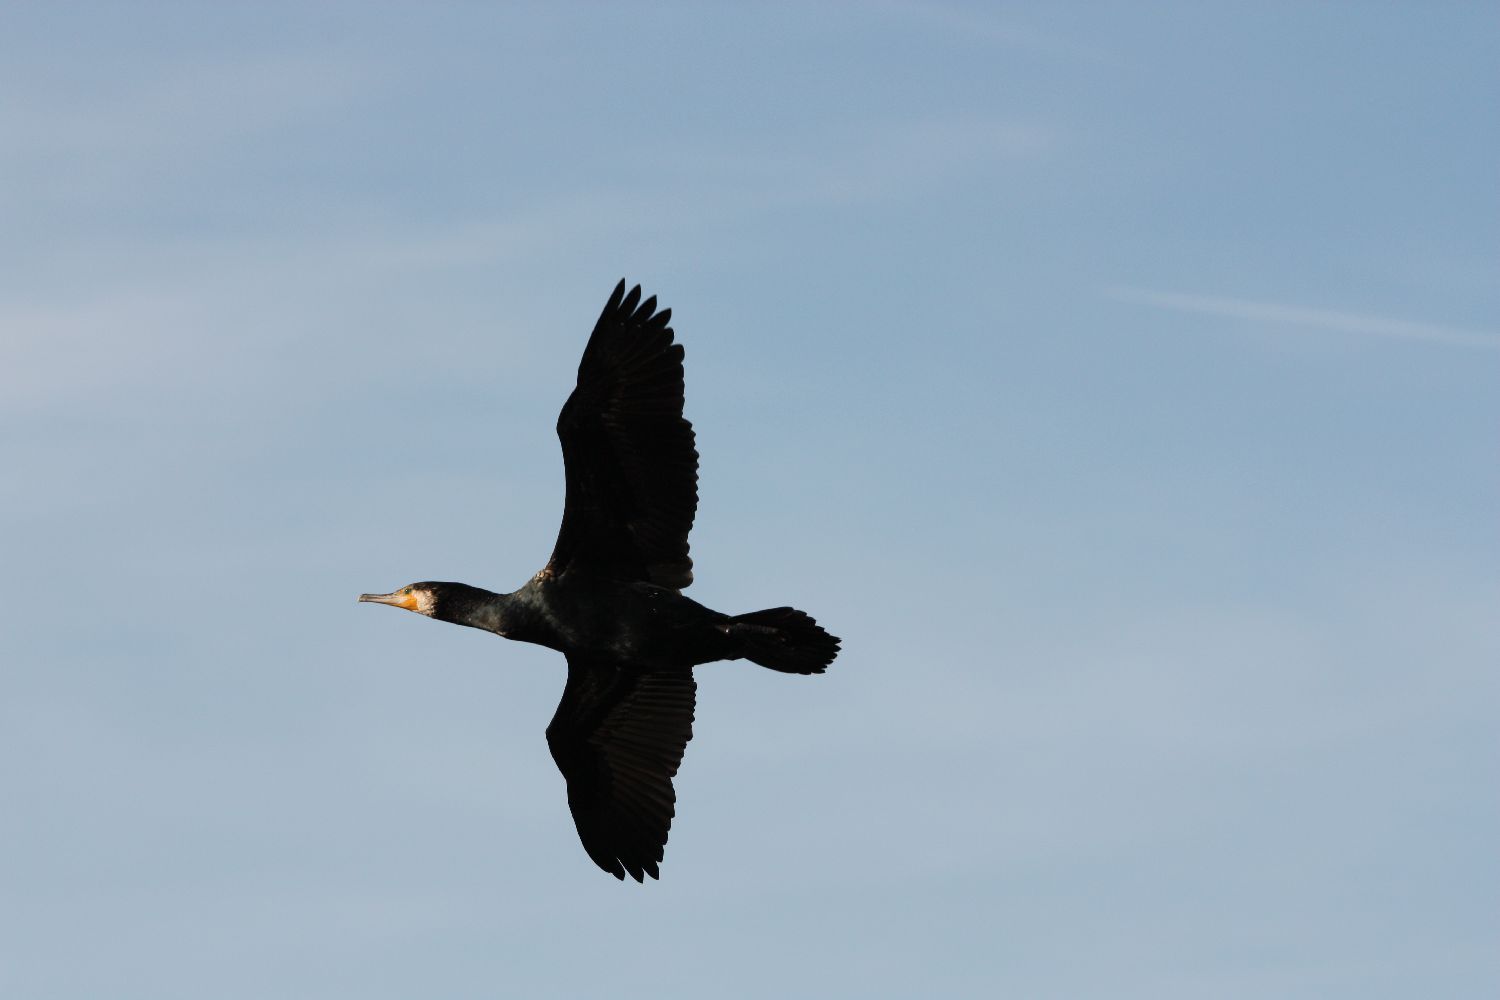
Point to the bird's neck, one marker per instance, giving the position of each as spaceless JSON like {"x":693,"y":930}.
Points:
{"x":502,"y":614}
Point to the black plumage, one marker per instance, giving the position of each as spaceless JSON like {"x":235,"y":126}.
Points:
{"x":610,"y":598}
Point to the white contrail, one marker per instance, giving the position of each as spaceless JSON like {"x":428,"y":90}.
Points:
{"x":1323,"y":319}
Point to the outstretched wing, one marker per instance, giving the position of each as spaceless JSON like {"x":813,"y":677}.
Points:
{"x":618,"y":737}
{"x":632,"y":469}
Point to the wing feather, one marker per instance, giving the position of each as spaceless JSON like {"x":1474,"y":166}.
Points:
{"x":630,"y":457}
{"x":618,"y":738}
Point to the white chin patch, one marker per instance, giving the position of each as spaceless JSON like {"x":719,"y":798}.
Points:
{"x":425,"y":603}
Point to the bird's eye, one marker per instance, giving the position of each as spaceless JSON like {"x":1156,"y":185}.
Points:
{"x":406,"y":591}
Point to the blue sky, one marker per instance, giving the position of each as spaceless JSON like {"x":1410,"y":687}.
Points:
{"x":1119,"y":380}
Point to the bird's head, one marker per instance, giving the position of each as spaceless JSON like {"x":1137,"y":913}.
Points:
{"x":458,"y":603}
{"x":419,"y":597}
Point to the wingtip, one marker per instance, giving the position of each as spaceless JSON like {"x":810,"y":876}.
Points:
{"x":631,"y":300}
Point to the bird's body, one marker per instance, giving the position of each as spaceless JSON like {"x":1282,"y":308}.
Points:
{"x":632,"y":622}
{"x":610,"y":598}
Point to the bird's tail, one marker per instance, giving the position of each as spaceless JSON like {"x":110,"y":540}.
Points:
{"x":784,"y":639}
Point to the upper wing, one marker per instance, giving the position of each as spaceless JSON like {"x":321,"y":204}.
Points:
{"x":618,"y":737}
{"x":632,"y":470}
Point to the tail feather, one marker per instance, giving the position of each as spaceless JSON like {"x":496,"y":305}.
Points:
{"x":785,"y":639}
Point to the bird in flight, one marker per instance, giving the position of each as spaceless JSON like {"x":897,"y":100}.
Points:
{"x":610,"y":598}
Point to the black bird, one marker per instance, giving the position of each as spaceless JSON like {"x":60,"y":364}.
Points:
{"x":610,"y":598}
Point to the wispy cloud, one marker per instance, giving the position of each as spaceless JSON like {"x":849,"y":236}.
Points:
{"x":100,"y":143}
{"x":180,"y":104}
{"x":985,"y":27}
{"x":1318,"y":319}
{"x":865,"y":162}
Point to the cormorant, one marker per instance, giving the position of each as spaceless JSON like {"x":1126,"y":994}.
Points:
{"x":610,"y":598}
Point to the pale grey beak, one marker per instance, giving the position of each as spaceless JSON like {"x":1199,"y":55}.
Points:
{"x":381,"y":599}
